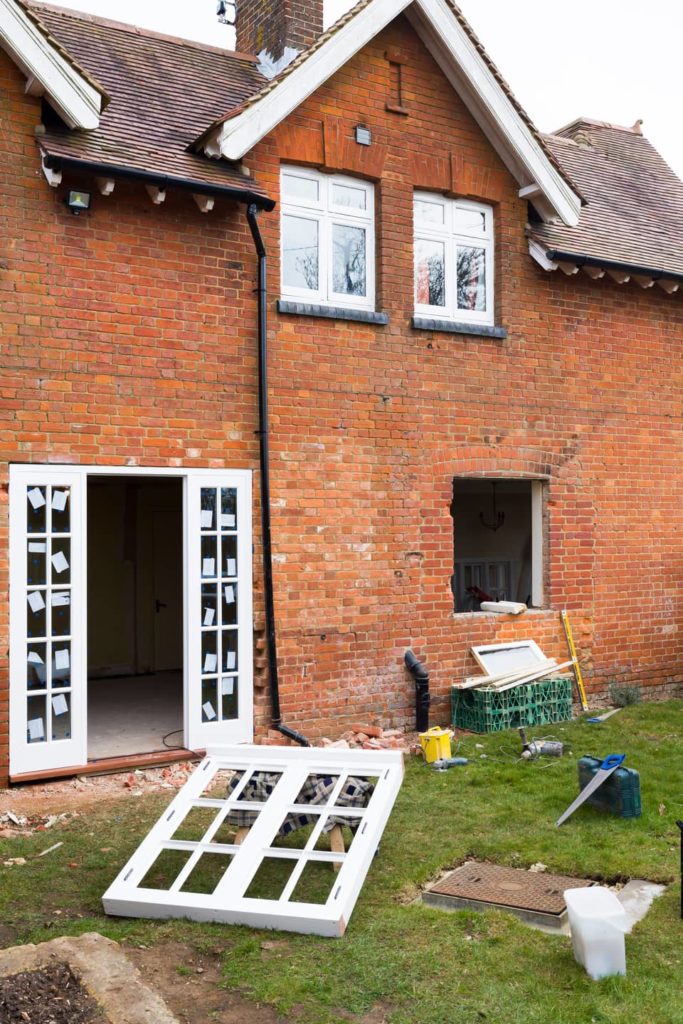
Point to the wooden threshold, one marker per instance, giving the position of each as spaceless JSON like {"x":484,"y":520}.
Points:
{"x":110,"y":765}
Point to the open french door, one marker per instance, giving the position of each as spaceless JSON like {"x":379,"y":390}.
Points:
{"x":48,"y":676}
{"x":218,"y":614}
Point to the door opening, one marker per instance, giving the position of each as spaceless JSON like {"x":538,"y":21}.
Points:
{"x":135,"y":615}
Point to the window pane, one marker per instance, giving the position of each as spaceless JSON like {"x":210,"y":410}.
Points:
{"x":430,"y":276}
{"x":430,"y":213}
{"x":300,"y":253}
{"x":470,"y":220}
{"x":346,"y":195}
{"x":471,"y":278}
{"x":348,"y":273}
{"x":294,"y":187}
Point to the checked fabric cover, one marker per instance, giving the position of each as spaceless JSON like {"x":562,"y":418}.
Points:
{"x":316,"y":790}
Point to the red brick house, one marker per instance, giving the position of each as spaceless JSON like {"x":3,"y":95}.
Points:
{"x":472,"y":379}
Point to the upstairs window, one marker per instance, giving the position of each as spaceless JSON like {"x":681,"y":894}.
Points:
{"x":453,"y":259}
{"x":328,"y":239}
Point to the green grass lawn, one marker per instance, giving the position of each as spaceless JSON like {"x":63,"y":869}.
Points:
{"x":422,"y":965}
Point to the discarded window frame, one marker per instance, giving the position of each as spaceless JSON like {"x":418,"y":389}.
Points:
{"x":249,"y":840}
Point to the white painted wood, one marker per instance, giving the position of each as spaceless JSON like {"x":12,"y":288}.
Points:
{"x":537,"y":543}
{"x":644,"y":280}
{"x":460,"y":60}
{"x":529,"y":191}
{"x":28,"y":756}
{"x":620,"y":276}
{"x":106,"y":185}
{"x":228,"y":903}
{"x":534,"y":676}
{"x":34,"y":87}
{"x":496,"y":659}
{"x":595,"y":273}
{"x":568,"y":268}
{"x":204,"y":203}
{"x":157,"y":195}
{"x":74,"y":98}
{"x":539,"y":254}
{"x":668,"y":286}
{"x":53,"y":178}
{"x":200,"y":732}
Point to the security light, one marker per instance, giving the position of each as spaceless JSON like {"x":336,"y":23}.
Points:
{"x":77,"y":201}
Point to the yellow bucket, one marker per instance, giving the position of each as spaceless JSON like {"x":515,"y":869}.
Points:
{"x":436,"y":744}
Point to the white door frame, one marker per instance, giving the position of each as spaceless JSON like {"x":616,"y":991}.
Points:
{"x":24,"y":472}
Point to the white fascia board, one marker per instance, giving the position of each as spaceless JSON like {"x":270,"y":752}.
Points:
{"x":471,"y":77}
{"x":539,"y":253}
{"x":241,"y":133}
{"x":77,"y":101}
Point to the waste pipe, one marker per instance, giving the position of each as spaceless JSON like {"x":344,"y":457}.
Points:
{"x":680,"y":825}
{"x":422,"y":698}
{"x":271,"y":638}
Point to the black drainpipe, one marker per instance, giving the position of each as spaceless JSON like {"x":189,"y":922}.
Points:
{"x":271,"y":638}
{"x":422,"y":698}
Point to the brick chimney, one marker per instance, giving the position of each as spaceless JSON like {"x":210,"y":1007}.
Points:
{"x":274,"y":26}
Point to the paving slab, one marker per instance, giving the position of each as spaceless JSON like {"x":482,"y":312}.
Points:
{"x":103,"y":969}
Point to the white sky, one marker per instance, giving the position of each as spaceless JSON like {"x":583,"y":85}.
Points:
{"x":612,"y":60}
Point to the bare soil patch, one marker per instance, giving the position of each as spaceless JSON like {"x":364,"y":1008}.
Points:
{"x":189,"y":983}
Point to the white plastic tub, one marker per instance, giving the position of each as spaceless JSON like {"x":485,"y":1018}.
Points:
{"x":598,"y":924}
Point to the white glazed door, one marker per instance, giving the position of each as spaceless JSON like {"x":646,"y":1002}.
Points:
{"x":48,"y":677}
{"x":219,"y":642}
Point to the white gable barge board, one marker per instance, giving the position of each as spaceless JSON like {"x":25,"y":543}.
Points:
{"x":227,"y":903}
{"x":74,"y":98}
{"x":462,"y":64}
{"x":475,"y":83}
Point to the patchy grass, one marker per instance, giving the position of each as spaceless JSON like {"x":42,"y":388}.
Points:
{"x":410,"y":963}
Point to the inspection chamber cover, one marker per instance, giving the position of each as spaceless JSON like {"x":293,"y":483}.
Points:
{"x":250,"y":839}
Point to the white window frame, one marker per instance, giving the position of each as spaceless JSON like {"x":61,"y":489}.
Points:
{"x":326,"y":215}
{"x":228,"y":903}
{"x":451,"y":237}
{"x":490,"y":657}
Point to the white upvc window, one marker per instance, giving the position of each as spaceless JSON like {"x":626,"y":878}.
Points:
{"x":453,"y":259}
{"x":328,"y":239}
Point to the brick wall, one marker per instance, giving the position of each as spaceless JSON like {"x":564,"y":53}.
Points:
{"x":128,"y":337}
{"x":272,"y":25}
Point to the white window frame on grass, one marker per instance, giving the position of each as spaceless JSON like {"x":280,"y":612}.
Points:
{"x":228,"y":903}
{"x":444,"y":231}
{"x":326,"y":214}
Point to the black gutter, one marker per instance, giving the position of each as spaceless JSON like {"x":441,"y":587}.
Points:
{"x":263,"y":432}
{"x":160,"y":181}
{"x":627,"y":268}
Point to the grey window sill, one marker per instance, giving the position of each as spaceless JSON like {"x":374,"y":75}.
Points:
{"x":363,"y":316}
{"x":423,"y":323}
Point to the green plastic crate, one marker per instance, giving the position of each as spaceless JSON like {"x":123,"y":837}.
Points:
{"x":487,"y":710}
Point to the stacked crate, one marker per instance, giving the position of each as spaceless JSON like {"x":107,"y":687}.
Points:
{"x":489,"y":710}
{"x":619,"y":794}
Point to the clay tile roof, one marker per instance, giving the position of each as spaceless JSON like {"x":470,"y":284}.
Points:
{"x":634,"y":214}
{"x":349,"y":16}
{"x":164,"y":91}
{"x":33,"y":15}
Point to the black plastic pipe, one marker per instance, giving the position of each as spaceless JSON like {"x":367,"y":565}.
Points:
{"x":264,"y":454}
{"x":422,"y":697}
{"x":680,"y":825}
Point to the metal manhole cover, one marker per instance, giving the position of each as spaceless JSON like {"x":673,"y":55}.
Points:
{"x":526,"y":892}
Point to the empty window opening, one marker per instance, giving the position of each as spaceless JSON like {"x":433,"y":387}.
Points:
{"x":135,"y":615}
{"x":497,"y":534}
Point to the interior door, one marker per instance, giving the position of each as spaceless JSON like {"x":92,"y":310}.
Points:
{"x":168,"y":590}
{"x":219,"y":642}
{"x":48,"y":675}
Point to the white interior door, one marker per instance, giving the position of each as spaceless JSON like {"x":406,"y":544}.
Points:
{"x":48,"y":677}
{"x":218,"y":642}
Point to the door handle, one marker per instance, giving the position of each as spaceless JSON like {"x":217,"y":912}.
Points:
{"x":159,"y":605}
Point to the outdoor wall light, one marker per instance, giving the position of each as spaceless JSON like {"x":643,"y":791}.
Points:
{"x":77,"y":201}
{"x":363,"y":135}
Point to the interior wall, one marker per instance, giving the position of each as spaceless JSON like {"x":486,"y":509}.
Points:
{"x":121,"y":573}
{"x":512,"y":542}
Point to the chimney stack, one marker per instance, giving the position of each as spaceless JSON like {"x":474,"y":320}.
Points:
{"x":274,"y":26}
